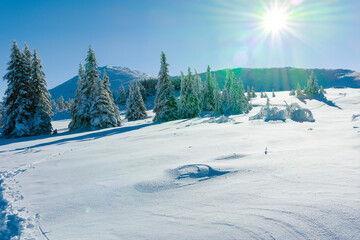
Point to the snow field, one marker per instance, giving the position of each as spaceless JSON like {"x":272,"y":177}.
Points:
{"x":204,"y":178}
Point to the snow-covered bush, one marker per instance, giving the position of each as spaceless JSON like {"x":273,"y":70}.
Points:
{"x":221,"y":119}
{"x":293,"y":112}
{"x":269,"y":113}
{"x":299,"y":114}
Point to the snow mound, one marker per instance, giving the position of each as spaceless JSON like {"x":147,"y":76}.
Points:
{"x":221,"y":119}
{"x":231,"y":157}
{"x":299,"y":114}
{"x":270,"y":114}
{"x":292,"y":111}
{"x":196,"y":171}
{"x":179,"y":177}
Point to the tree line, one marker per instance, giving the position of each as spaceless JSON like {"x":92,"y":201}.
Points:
{"x":27,"y":107}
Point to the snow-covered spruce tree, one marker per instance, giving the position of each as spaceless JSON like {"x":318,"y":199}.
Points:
{"x":248,"y":93}
{"x":199,"y":88}
{"x":219,"y":102}
{"x":103,"y":113}
{"x":273,"y":93}
{"x":238,"y":101}
{"x":41,"y":99}
{"x":253,"y":94}
{"x":60,"y":103}
{"x":312,"y":87}
{"x":135,"y":108}
{"x":75,"y":111}
{"x":189,"y":106}
{"x":86,"y":91}
{"x":298,"y":90}
{"x":225,"y":95}
{"x":18,"y":116}
{"x":208,"y":92}
{"x":121,"y":99}
{"x":292,"y":92}
{"x":165,"y":102}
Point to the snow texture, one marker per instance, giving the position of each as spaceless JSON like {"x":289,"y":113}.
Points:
{"x":190,"y":179}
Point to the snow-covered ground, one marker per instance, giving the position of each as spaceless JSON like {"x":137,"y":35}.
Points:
{"x":205,"y":178}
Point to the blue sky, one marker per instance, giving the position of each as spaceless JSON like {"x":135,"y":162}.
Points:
{"x":195,"y":33}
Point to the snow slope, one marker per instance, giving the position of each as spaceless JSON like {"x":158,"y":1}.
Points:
{"x":205,"y":178}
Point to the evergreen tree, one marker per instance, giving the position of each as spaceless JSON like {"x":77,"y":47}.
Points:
{"x":18,"y":116}
{"x":253,"y":94}
{"x":75,"y":111}
{"x":135,"y":108}
{"x":312,"y":87}
{"x":298,"y":90}
{"x":226,"y":93}
{"x":273,"y":93}
{"x":104,"y":113}
{"x":262,"y":95}
{"x":208,"y":92}
{"x":165,"y":102}
{"x":198,"y":88}
{"x":248,"y":93}
{"x":121,"y":100}
{"x":292,"y":93}
{"x":60,"y":103}
{"x":219,"y":102}
{"x":88,"y":89}
{"x":41,"y":99}
{"x":238,"y":102}
{"x":189,"y":106}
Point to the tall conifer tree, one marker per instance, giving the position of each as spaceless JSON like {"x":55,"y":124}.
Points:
{"x":165,"y":102}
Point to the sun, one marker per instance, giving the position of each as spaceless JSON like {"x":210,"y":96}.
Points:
{"x":275,"y":19}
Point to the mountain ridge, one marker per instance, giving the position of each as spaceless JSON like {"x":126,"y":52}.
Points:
{"x":263,"y":79}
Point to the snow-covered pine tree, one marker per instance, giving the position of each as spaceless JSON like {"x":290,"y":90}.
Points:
{"x":292,"y":92}
{"x":208,"y":92}
{"x":60,"y":103}
{"x":273,"y":93}
{"x":18,"y":117}
{"x":121,"y":99}
{"x":41,"y":99}
{"x":238,"y":101}
{"x":312,"y":87}
{"x":262,"y":95}
{"x":218,"y":103}
{"x":76,"y":114}
{"x":248,"y":93}
{"x":165,"y":107}
{"x":199,"y":88}
{"x":226,"y":93}
{"x":298,"y":90}
{"x":89,"y":87}
{"x":253,"y":94}
{"x":135,"y":107}
{"x":189,"y":106}
{"x":103,"y":113}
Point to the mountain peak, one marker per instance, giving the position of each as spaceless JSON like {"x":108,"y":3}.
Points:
{"x":117,"y":76}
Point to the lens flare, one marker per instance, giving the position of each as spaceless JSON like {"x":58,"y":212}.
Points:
{"x":275,"y":20}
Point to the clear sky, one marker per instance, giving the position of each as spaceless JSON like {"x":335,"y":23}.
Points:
{"x":195,"y":33}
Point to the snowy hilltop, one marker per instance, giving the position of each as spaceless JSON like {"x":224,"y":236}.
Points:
{"x":117,"y":76}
